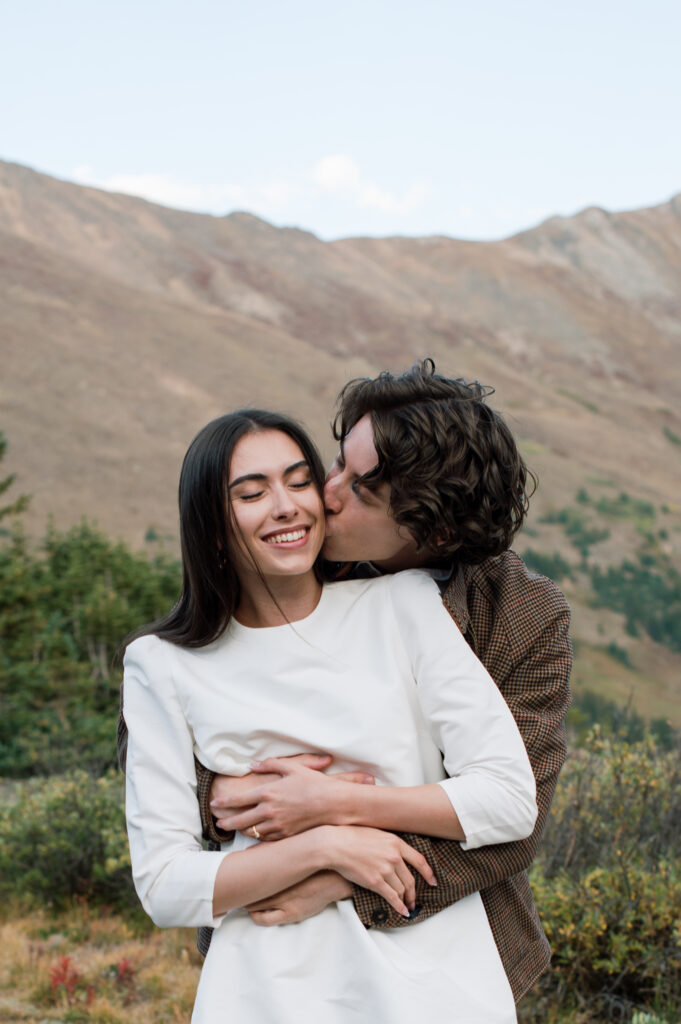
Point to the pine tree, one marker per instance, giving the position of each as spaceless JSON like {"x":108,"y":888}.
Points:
{"x":19,"y":504}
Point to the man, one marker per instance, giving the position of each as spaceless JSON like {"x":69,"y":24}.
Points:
{"x":428,"y":475}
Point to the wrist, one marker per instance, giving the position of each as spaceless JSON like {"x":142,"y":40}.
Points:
{"x":345,"y":809}
{"x":342,"y":889}
{"x":322,"y":847}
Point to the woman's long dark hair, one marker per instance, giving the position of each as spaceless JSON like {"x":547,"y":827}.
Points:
{"x":210,"y":585}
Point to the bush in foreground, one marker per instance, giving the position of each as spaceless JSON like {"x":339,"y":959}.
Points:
{"x":64,"y":610}
{"x":608,"y":883}
{"x":64,"y":836}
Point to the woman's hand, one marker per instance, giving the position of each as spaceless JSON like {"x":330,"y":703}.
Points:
{"x":294,"y":797}
{"x":378,"y":861}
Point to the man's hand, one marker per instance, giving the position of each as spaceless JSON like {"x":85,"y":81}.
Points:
{"x":301,"y":901}
{"x":287,"y":795}
{"x":224,"y":787}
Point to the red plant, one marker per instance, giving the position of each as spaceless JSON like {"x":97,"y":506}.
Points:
{"x":64,"y":976}
{"x":125,"y":972}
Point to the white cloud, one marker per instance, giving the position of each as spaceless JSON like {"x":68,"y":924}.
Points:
{"x":340,"y":175}
{"x":268,"y":198}
{"x":333,"y":192}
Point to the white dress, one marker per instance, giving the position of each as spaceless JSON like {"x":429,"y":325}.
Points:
{"x":380,"y":677}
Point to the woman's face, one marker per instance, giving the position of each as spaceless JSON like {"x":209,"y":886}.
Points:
{"x":277,"y":513}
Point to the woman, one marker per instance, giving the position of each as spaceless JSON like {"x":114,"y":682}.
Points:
{"x":259,"y":659}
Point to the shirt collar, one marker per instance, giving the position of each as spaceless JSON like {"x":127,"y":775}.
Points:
{"x":449,"y":579}
{"x":456,"y":600}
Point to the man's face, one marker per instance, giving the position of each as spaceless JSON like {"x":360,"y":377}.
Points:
{"x":359,"y":526}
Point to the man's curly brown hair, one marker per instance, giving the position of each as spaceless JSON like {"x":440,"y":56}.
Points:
{"x":457,"y":480}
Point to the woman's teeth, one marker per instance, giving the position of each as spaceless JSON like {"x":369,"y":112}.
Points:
{"x":283,"y":538}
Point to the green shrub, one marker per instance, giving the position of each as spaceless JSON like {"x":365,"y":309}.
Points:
{"x":608,"y":881}
{"x":619,"y":721}
{"x":620,"y":654}
{"x":65,"y":836}
{"x":625,"y":507}
{"x":553,"y":566}
{"x":591,"y":709}
{"x":578,"y":529}
{"x":649,"y":595}
{"x":18,"y":505}
{"x":64,"y":610}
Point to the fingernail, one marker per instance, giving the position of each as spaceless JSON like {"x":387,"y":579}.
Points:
{"x":434,"y":882}
{"x":255,"y":764}
{"x":404,"y":913}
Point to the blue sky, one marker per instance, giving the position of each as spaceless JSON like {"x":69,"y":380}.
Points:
{"x":472,"y":119}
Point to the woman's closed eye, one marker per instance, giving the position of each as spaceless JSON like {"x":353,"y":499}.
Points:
{"x":297,"y":485}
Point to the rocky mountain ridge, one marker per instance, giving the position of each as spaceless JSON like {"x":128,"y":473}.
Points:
{"x":125,"y":326}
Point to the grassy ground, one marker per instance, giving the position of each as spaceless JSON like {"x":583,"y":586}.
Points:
{"x":98,"y":968}
{"x":83,"y":965}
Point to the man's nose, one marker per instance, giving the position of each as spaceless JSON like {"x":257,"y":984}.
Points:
{"x":332,"y":502}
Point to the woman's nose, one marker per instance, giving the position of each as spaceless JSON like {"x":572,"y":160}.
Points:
{"x":283,"y":505}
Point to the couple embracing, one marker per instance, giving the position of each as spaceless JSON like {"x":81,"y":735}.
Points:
{"x":371,"y":628}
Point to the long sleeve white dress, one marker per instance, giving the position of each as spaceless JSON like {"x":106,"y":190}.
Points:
{"x":380,"y":677}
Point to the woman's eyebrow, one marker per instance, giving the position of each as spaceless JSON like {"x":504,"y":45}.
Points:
{"x":246,"y":476}
{"x":302,"y":463}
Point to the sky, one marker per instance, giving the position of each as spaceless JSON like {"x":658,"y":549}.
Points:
{"x":469,"y":118}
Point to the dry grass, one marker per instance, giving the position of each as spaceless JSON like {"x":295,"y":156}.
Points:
{"x":85,"y":965}
{"x":123,"y":970}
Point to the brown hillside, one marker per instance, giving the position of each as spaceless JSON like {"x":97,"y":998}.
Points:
{"x":125,"y":326}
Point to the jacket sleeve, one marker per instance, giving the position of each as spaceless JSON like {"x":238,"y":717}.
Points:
{"x":204,"y":780}
{"x":533,"y":676}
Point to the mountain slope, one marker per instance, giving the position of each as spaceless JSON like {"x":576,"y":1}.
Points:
{"x":124,"y":327}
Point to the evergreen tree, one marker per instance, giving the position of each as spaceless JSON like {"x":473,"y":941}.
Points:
{"x":19,"y":504}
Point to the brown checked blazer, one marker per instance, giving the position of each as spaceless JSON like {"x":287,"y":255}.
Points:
{"x":516,"y":622}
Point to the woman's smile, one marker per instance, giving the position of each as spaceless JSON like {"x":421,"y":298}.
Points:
{"x":289,"y":538}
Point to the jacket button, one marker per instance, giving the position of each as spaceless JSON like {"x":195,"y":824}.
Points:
{"x":379,"y":916}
